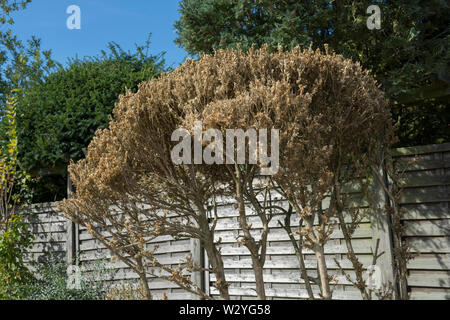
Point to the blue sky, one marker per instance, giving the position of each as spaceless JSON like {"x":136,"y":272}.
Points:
{"x":125,"y":22}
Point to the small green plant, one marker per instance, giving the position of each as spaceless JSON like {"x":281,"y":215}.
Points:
{"x":15,"y":236}
{"x":51,"y":283}
{"x":13,"y":242}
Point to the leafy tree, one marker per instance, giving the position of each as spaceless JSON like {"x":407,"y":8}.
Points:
{"x":409,"y":55}
{"x":8,"y":6}
{"x":20,"y":63}
{"x":332,"y":121}
{"x":58,"y":117}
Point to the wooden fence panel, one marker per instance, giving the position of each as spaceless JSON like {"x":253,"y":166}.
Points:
{"x":169,"y":252}
{"x":52,"y":236}
{"x":426,"y":198}
{"x":50,"y":230}
{"x":281,"y":269}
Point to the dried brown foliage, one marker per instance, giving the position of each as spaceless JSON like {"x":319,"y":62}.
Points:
{"x":333,"y":125}
{"x":129,"y":188}
{"x":126,"y":291}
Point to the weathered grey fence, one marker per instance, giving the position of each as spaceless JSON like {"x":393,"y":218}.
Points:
{"x":57,"y":235}
{"x":426,"y":198}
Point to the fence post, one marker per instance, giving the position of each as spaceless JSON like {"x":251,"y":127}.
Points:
{"x":381,"y":229}
{"x":197,"y":277}
{"x":72,"y":233}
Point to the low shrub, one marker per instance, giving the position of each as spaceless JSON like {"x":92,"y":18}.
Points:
{"x":51,"y":283}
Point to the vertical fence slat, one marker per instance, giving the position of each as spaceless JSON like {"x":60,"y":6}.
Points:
{"x":197,"y":277}
{"x":72,"y":237}
{"x":381,"y":230}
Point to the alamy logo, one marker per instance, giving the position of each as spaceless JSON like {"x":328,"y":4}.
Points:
{"x":74,"y":20}
{"x":374,"y":279}
{"x":374,"y":21}
{"x":235,"y":147}
{"x":73,"y":277}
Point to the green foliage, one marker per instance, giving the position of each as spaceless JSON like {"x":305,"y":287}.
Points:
{"x":14,"y":181}
{"x":409,"y":55}
{"x":8,"y":6}
{"x":58,"y":117}
{"x":50,"y":283}
{"x":15,"y":235}
{"x":13,"y":243}
{"x":21,"y":63}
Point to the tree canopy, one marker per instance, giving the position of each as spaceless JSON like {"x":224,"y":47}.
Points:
{"x":333,"y":125}
{"x":21,"y":63}
{"x":409,"y":55}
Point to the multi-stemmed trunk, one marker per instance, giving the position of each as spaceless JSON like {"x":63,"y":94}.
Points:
{"x":216,"y":261}
{"x":249,"y":240}
{"x":318,"y":248}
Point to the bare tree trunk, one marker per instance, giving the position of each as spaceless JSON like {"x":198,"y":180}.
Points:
{"x":215,"y":259}
{"x":143,"y":276}
{"x":250,"y":243}
{"x":319,"y":252}
{"x":401,"y":266}
{"x":248,"y":240}
{"x":144,"y":282}
{"x":323,"y":271}
{"x":304,"y":274}
{"x":357,"y":266}
{"x":298,"y":247}
{"x":259,"y":278}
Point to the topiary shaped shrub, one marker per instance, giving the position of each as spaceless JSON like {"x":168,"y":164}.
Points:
{"x":333,"y":128}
